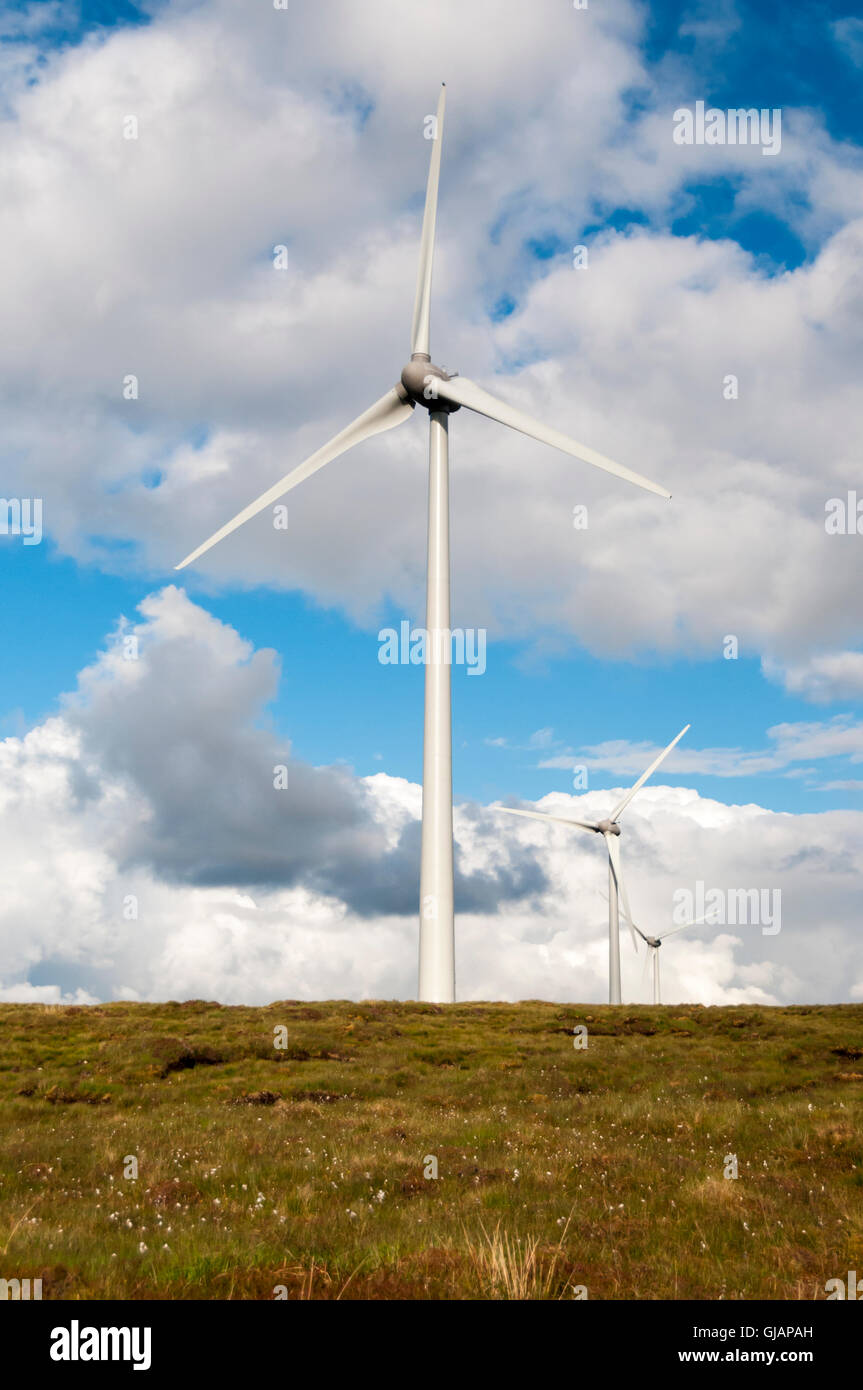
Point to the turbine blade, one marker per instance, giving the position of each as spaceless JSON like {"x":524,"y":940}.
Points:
{"x":390,"y":410}
{"x":637,"y":928}
{"x":604,"y":895}
{"x":420,"y":328}
{"x":613,"y":843}
{"x":700,"y":922}
{"x":541,"y":815}
{"x":621,"y":806}
{"x":675,"y":930}
{"x":463,"y":392}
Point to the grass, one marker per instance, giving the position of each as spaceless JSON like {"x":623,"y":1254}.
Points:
{"x":306,"y":1171}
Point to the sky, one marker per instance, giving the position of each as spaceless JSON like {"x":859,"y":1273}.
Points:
{"x":691,"y":310}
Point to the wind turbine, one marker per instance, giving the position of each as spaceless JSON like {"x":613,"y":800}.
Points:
{"x":441,"y":394}
{"x":609,"y":829}
{"x":653,"y":944}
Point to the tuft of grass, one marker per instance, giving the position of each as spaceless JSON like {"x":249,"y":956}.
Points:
{"x":516,"y":1267}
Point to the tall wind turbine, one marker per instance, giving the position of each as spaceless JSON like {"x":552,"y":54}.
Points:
{"x":441,"y":394}
{"x":653,"y":944}
{"x":609,"y":829}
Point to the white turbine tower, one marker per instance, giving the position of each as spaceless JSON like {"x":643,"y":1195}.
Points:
{"x":653,"y":944}
{"x":610,"y":831}
{"x":440,"y":394}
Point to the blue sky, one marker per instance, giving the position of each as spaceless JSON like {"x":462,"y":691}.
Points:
{"x":774,"y":55}
{"x":60,"y":618}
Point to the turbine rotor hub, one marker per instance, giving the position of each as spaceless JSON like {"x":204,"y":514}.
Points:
{"x":418,"y":379}
{"x":608,"y":827}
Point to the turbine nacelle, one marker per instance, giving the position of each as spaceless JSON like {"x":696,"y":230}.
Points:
{"x":607,"y":827}
{"x":418,"y":379}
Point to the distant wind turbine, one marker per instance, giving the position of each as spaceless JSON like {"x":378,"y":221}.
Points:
{"x":440,"y":393}
{"x":610,"y":831}
{"x":653,"y":944}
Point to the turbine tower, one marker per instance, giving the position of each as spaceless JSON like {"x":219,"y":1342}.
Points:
{"x":441,"y":394}
{"x":609,"y":829}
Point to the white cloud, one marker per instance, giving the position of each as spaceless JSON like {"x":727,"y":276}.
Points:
{"x":243,"y":898}
{"x":711,"y":20}
{"x":841,"y":736}
{"x":257,"y":127}
{"x":848,"y":33}
{"x":823,"y":678}
{"x":44,"y":994}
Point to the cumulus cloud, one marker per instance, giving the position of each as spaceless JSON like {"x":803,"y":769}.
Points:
{"x":153,"y":256}
{"x":674,"y":840}
{"x":173,"y":716}
{"x":147,"y":854}
{"x":161,"y":787}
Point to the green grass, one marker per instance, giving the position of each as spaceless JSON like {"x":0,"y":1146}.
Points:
{"x":557,"y":1167}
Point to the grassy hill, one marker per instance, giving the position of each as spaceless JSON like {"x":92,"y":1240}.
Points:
{"x":304,"y":1167}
